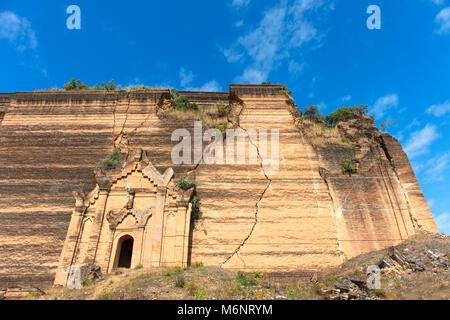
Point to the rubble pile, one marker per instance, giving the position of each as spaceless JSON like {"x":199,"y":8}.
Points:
{"x":395,"y":265}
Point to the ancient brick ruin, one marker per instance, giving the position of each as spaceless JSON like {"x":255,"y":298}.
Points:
{"x":307,"y":216}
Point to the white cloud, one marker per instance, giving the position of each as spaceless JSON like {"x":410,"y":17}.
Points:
{"x":383,"y":104}
{"x":240,"y":3}
{"x":295,"y":67}
{"x":17,"y":30}
{"x":282,"y":29}
{"x":322,"y":105}
{"x":438,"y":2}
{"x":420,"y":140}
{"x":239,"y":24}
{"x":211,"y":86}
{"x":437,"y":167}
{"x":443,"y":20}
{"x":443,"y":223}
{"x":232,"y":55}
{"x":346,"y":98}
{"x":439,"y":110}
{"x":186,"y":77}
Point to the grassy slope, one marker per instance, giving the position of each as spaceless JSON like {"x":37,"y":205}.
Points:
{"x":216,"y":283}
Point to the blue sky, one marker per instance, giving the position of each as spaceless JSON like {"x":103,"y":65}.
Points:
{"x":322,"y":49}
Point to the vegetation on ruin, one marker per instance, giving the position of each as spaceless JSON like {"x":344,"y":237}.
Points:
{"x":182,"y":103}
{"x":137,"y":87}
{"x":222,"y":128}
{"x":386,"y":125}
{"x":108,"y":86}
{"x":313,"y":113}
{"x":111,"y":161}
{"x":344,"y":113}
{"x":222,"y":109}
{"x":321,"y":135}
{"x":349,"y":168}
{"x":286,"y":89}
{"x":321,"y":129}
{"x":214,"y":116}
{"x":209,"y":118}
{"x":75,"y":85}
{"x":185,"y":184}
{"x":195,"y":201}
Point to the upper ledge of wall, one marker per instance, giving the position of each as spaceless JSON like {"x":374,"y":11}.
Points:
{"x":5,"y":97}
{"x":87,"y":95}
{"x":140,"y":95}
{"x":257,"y":89}
{"x":101,"y":95}
{"x":205,"y":97}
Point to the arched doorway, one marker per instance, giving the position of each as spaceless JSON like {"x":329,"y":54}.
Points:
{"x":124,"y":252}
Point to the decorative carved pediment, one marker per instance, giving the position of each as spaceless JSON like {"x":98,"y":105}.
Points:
{"x":136,"y":161}
{"x":83,"y":201}
{"x":140,"y":216}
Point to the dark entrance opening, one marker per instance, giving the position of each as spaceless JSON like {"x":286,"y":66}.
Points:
{"x":126,"y":252}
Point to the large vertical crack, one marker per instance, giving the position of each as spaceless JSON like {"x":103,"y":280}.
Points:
{"x":414,"y":220}
{"x":258,"y":202}
{"x":121,"y":136}
{"x":336,"y":209}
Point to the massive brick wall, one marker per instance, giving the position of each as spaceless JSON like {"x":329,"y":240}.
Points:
{"x":256,"y":220}
{"x":305,"y":216}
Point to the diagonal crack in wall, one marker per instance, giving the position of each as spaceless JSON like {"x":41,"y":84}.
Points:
{"x":122,"y":139}
{"x":269,"y":182}
{"x":119,"y":137}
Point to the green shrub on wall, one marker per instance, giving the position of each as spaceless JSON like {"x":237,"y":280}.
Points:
{"x":111,"y":161}
{"x":182,"y":103}
{"x":349,"y":168}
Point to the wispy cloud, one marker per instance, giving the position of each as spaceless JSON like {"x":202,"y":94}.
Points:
{"x":232,"y":55}
{"x":186,"y":77}
{"x":384,"y":104}
{"x":443,"y":223}
{"x":283,"y":29}
{"x":437,"y":167}
{"x":18,"y":31}
{"x":295,"y":67}
{"x":240,"y":3}
{"x":210,"y":86}
{"x":443,"y":21}
{"x":438,"y":2}
{"x":439,"y":110}
{"x":420,"y":140}
{"x":346,"y":98}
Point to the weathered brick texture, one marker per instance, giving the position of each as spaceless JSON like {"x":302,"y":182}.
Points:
{"x":304,"y":217}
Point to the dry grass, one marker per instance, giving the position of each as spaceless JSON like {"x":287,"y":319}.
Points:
{"x":320,"y":135}
{"x":209,"y":117}
{"x":201,"y":282}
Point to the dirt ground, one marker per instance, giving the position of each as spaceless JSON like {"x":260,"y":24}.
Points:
{"x":425,"y":276}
